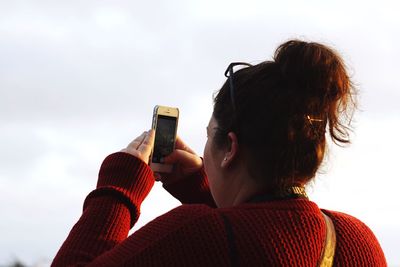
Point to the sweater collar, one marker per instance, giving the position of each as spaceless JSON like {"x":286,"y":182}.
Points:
{"x":294,"y":192}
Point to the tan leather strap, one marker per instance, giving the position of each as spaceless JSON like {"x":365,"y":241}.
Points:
{"x":328,"y":252}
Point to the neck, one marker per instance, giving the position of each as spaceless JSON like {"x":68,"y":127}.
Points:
{"x":239,"y":188}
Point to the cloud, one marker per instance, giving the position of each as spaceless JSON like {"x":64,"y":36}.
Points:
{"x":79,"y":79}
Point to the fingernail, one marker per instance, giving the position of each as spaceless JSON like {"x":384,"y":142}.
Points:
{"x":157,"y":176}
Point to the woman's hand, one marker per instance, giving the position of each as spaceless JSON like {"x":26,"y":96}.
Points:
{"x":185,"y":162}
{"x":141,"y":147}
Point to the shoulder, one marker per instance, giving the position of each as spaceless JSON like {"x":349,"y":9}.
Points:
{"x":355,"y":240}
{"x":348,"y":226}
{"x":191,"y":215}
{"x":345,"y":220}
{"x":182,"y":232}
{"x":187,"y":213}
{"x":188,"y":218}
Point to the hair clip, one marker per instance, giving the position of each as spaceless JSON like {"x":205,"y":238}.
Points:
{"x":310,"y":120}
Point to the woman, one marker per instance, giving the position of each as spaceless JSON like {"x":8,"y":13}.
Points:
{"x":244,"y":204}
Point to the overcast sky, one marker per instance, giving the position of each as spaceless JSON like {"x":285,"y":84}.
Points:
{"x":79,"y":79}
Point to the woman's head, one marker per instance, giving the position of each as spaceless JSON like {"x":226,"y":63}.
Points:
{"x":280,"y":110}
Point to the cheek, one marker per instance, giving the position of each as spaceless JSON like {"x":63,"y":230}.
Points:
{"x":206,"y":157}
{"x":208,"y":162}
{"x":211,"y":171}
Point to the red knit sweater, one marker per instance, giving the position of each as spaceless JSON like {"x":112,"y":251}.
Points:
{"x":273,"y":233}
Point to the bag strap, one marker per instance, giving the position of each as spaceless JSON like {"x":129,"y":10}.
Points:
{"x":328,"y":252}
{"x":233,"y":251}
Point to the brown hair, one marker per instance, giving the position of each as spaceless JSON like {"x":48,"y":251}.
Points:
{"x":283,"y":108}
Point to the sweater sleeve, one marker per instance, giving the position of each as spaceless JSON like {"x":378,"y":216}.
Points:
{"x":192,"y":190}
{"x":109,"y":211}
{"x":189,"y":235}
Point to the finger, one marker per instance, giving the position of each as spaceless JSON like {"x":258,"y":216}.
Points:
{"x":152,"y":134}
{"x":147,"y":143}
{"x":137,"y":141}
{"x":179,"y":144}
{"x":183,"y":158}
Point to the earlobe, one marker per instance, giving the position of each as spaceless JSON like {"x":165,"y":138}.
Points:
{"x":231,"y":150}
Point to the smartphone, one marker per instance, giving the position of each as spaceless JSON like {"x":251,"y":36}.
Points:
{"x":165,"y":124}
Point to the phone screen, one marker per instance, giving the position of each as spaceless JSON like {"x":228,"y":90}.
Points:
{"x":165,"y":137}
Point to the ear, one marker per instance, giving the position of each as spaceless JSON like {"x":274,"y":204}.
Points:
{"x":232,"y":150}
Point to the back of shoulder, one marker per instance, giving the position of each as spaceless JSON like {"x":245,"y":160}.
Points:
{"x":188,"y":235}
{"x":356,"y":243}
{"x":182,"y":216}
{"x":345,"y":221}
{"x":350,"y":226}
{"x":188,"y":213}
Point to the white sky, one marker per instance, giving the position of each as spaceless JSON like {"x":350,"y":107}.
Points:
{"x":79,"y":79}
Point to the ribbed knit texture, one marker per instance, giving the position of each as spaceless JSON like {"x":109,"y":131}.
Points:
{"x":196,"y":185}
{"x":274,"y":233}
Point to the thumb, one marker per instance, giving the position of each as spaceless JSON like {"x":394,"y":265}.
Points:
{"x":183,"y":158}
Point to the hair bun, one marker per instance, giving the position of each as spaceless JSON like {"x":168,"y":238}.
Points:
{"x":318,"y":81}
